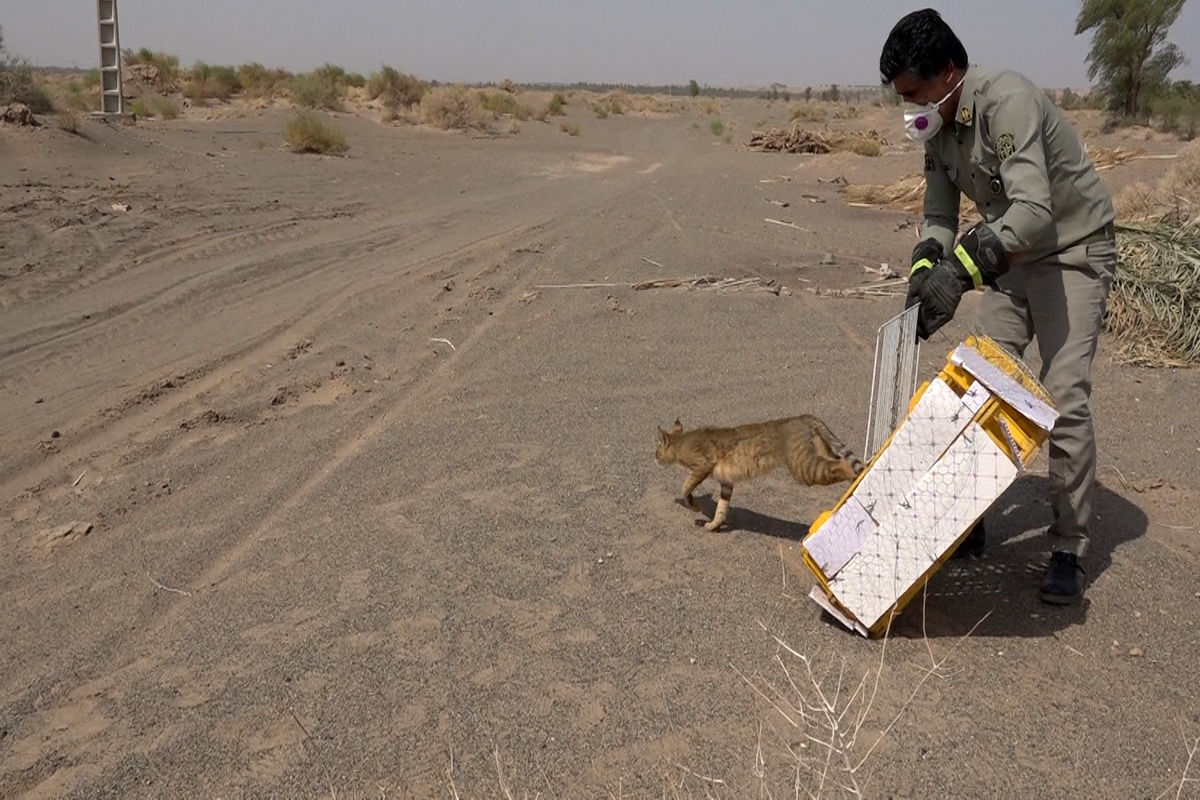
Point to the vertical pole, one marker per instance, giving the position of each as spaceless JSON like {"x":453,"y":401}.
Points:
{"x":112,"y":99}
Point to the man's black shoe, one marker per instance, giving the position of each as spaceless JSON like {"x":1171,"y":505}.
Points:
{"x":972,"y":546}
{"x":1064,"y":580}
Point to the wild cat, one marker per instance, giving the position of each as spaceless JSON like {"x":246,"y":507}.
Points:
{"x":803,"y":444}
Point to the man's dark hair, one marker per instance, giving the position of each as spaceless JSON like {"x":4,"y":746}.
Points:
{"x":921,"y":44}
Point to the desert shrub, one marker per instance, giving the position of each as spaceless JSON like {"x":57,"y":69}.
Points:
{"x":717,"y":127}
{"x":81,"y":101}
{"x":207,"y":81}
{"x":164,"y":107}
{"x":168,"y":65}
{"x":863,"y":146}
{"x":1178,"y":113}
{"x":259,"y":81}
{"x":555,"y":106}
{"x":807,"y":112}
{"x":17,"y":84}
{"x":305,"y":133}
{"x":395,"y":89}
{"x":155,"y":106}
{"x":332,"y":73}
{"x":356,"y":79}
{"x":453,"y":107}
{"x":503,"y":103}
{"x":67,"y":121}
{"x":317,"y":90}
{"x":78,"y":95}
{"x":571,"y":129}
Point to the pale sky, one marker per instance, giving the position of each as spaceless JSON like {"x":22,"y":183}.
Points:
{"x":720,"y":43}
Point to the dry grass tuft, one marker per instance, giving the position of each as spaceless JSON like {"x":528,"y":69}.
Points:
{"x":808,"y":112}
{"x":1174,"y":198}
{"x":454,"y":108}
{"x":906,"y":194}
{"x":395,"y":89}
{"x":258,"y":81}
{"x":69,"y":122}
{"x":323,"y":88}
{"x":208,"y":81}
{"x":155,"y":105}
{"x":304,"y":133}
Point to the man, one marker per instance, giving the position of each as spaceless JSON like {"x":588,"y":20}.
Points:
{"x":1044,"y":254}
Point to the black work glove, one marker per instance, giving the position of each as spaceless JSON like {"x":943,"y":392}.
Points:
{"x":927,"y":253}
{"x":939,"y":295}
{"x":979,"y":259}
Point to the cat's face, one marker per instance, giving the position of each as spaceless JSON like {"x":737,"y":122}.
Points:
{"x":664,"y":451}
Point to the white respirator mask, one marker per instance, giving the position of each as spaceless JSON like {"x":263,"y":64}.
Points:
{"x":921,"y":123}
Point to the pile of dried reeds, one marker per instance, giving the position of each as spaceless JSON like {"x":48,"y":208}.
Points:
{"x":1108,"y":157}
{"x":1154,"y":308}
{"x":798,"y":139}
{"x":906,"y":194}
{"x":794,"y":140}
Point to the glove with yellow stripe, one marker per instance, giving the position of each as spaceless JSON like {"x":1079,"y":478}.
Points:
{"x":927,"y":253}
{"x":978,"y":260}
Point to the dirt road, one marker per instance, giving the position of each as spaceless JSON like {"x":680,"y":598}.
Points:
{"x":371,"y":510}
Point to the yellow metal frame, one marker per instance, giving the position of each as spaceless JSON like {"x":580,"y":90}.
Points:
{"x":992,"y":416}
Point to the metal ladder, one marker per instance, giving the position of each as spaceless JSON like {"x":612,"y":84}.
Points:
{"x":112,"y":98}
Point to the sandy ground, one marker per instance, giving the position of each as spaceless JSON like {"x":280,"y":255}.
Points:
{"x":329,"y":555}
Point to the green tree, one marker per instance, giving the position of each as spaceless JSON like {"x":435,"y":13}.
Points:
{"x":693,"y":88}
{"x":1130,"y":57}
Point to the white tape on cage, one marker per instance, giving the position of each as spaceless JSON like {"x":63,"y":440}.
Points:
{"x":1005,"y":387}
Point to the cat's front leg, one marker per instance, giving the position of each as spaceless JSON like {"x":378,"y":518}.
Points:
{"x":722,"y":508}
{"x":694,"y":479}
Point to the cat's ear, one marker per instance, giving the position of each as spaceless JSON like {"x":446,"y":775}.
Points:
{"x":678,"y":428}
{"x":662,"y":435}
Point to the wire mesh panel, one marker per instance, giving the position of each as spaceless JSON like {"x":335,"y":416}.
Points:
{"x":894,"y":378}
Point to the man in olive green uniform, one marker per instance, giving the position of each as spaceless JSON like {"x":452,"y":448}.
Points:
{"x":1044,"y":254}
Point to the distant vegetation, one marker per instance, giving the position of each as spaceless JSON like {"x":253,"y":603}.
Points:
{"x":1131,"y":68}
{"x":304,"y":133}
{"x":396,"y":90}
{"x":1131,"y":61}
{"x":17,"y":83}
{"x":454,"y":107}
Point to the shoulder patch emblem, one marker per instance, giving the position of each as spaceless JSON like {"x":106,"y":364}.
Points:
{"x":964,"y":115}
{"x":1004,"y":145}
